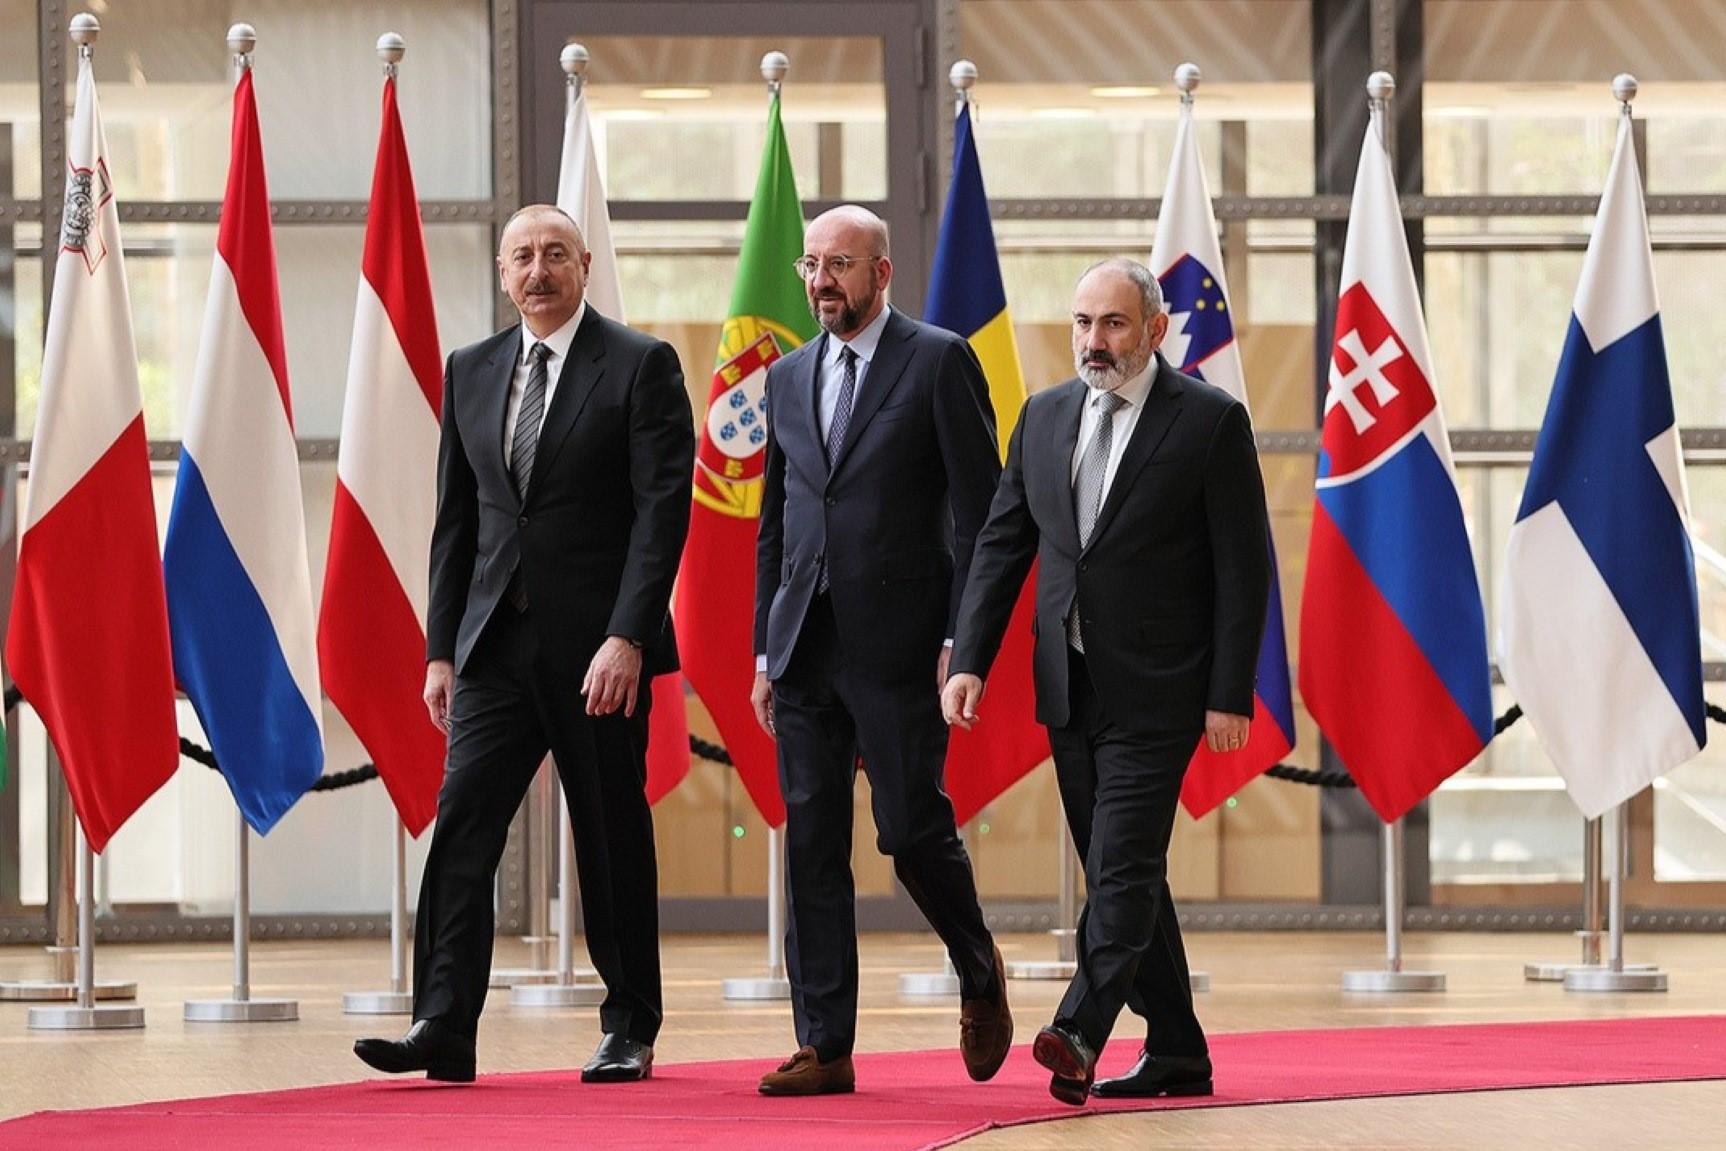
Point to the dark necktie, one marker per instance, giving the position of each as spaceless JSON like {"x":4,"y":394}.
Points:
{"x":1088,"y":489}
{"x":526,"y":442}
{"x":841,"y":421}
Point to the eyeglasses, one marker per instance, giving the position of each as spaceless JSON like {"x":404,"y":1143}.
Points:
{"x":837,"y":266}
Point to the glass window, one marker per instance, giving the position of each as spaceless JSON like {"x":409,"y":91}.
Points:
{"x":20,"y":112}
{"x":166,"y":87}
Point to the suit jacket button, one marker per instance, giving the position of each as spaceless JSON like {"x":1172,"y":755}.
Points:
{"x":1084,"y":567}
{"x":832,"y":501}
{"x":521,"y":522}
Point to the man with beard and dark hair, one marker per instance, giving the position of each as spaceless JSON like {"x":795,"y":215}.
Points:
{"x":881,"y":460}
{"x":1136,"y":490}
{"x":562,"y":506}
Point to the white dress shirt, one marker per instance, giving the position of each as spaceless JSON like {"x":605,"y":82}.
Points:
{"x":558,"y":345}
{"x":1126,"y":418}
{"x":864,"y":344}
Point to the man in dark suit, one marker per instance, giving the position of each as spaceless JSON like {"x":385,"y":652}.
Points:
{"x":881,"y":460}
{"x":563,"y":502}
{"x":1137,"y":490}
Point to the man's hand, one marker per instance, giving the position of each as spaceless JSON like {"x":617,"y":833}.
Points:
{"x":761,"y":699}
{"x":941,"y":664}
{"x":613,"y":678}
{"x":440,"y":686}
{"x":959,"y":700}
{"x":1225,"y":732}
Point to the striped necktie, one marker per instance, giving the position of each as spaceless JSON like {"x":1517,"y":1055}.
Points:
{"x":525,"y":445}
{"x":1088,"y":489}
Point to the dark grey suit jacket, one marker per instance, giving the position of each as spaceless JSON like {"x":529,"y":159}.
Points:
{"x":607,"y":510}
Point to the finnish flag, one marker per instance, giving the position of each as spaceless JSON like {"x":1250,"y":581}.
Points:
{"x":1599,"y":627}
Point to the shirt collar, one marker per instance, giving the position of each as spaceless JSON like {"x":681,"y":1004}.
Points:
{"x":558,"y":341}
{"x":863,"y":343}
{"x":1134,"y":390}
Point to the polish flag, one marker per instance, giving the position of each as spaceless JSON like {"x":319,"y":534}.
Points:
{"x":580,"y":193}
{"x":371,"y":634}
{"x":239,"y":586}
{"x":88,"y":638}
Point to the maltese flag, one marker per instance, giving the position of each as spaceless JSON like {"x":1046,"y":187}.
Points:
{"x":580,"y":193}
{"x":1188,"y":262}
{"x":1599,"y":630}
{"x":371,"y":633}
{"x":239,"y":587}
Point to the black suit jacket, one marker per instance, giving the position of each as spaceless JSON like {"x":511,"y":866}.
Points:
{"x":895,"y":514}
{"x":607,"y":510}
{"x":1171,"y":589}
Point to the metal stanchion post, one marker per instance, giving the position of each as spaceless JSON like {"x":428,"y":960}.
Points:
{"x":242,"y":1008}
{"x":1066,"y":962}
{"x":1393,"y":977}
{"x":1615,"y":975}
{"x":62,"y":984}
{"x":85,"y":1014}
{"x":574,"y":987}
{"x":1590,"y":935}
{"x":542,"y":833}
{"x":398,"y":1000}
{"x":773,"y":985}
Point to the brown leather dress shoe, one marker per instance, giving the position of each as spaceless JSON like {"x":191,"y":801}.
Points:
{"x":805,"y":1074}
{"x":986,"y":1029}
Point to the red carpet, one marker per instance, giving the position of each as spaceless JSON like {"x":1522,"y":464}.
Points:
{"x":917,"y":1099}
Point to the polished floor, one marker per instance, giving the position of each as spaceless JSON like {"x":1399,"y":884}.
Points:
{"x":1260,"y":982}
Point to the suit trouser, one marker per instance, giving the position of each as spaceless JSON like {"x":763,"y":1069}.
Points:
{"x":1120,"y":790}
{"x":826,"y":713}
{"x":513,"y":703}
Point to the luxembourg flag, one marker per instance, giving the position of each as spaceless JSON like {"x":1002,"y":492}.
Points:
{"x":371,"y":630}
{"x":580,"y":193}
{"x":87,"y":642}
{"x":1188,"y":262}
{"x":239,"y":588}
{"x":1393,"y":638}
{"x":1599,"y":630}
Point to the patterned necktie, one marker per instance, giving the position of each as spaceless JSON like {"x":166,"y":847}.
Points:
{"x":1088,"y":488}
{"x":526,"y":442}
{"x":842,"y":409}
{"x":836,"y":430}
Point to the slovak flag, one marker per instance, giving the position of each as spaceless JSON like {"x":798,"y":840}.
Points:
{"x":239,"y":587}
{"x":1393,"y":637}
{"x":1188,"y":262}
{"x":1599,"y":633}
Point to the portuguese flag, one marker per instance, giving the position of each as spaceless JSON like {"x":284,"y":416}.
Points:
{"x":715,"y":602}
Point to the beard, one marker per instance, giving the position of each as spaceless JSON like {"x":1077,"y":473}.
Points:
{"x":1105,"y":372}
{"x":850,"y":314}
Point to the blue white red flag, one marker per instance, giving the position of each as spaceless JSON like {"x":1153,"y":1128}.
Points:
{"x":1393,"y":637}
{"x":1599,"y":631}
{"x":239,"y":587}
{"x":1187,"y":260}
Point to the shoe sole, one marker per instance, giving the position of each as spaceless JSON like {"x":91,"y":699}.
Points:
{"x":616,"y":1077}
{"x":845,"y":1089}
{"x":1069,"y":1083}
{"x":446,"y":1073}
{"x":442,"y":1072}
{"x":1203,"y":1087}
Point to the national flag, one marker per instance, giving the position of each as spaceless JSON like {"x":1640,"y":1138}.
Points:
{"x":1188,"y":262}
{"x":87,"y":642}
{"x":1393,"y":638}
{"x":371,"y":630}
{"x":239,"y":586}
{"x":966,"y":296}
{"x":581,"y":194}
{"x":1600,"y":632}
{"x":715,"y":602}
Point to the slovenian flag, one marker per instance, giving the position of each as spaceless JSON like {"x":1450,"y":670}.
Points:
{"x":1393,"y":637}
{"x":239,"y":588}
{"x":966,"y":296}
{"x":1599,"y":631}
{"x":1188,"y":262}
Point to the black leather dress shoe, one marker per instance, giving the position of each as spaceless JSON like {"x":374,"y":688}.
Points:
{"x":1155,"y":1075}
{"x":1073,"y":1064}
{"x":428,"y":1046}
{"x":619,"y":1059}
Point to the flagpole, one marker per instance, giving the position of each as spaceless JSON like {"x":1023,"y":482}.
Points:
{"x":774,"y":984}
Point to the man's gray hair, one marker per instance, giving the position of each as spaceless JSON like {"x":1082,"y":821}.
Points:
{"x":1150,"y":292}
{"x":546,"y":210}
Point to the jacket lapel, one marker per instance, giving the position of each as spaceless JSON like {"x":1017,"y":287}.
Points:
{"x":582,"y":370}
{"x":1162,"y":407}
{"x":808,"y":394}
{"x":499,"y":374}
{"x":892,"y":355}
{"x":1069,"y":407}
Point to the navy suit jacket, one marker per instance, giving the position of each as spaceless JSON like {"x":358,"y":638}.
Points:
{"x":893,"y":516}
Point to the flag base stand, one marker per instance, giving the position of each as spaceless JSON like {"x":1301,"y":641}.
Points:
{"x":930,"y":982}
{"x":1616,"y":975}
{"x":773,"y":985}
{"x":57,"y":991}
{"x":1591,"y":934}
{"x":1392,"y":981}
{"x":1392,"y":978}
{"x":378,"y":1003}
{"x":242,"y":1008}
{"x":1606,"y":979}
{"x":521,"y":976}
{"x":84,"y":1014}
{"x":84,"y":1018}
{"x":557,"y":995}
{"x":760,"y":988}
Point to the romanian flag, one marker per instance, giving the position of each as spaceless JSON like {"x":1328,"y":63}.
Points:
{"x":966,"y":296}
{"x":715,"y":604}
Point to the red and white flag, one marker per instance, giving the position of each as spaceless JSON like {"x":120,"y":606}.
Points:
{"x":371,"y":630}
{"x":88,"y":639}
{"x":580,"y":193}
